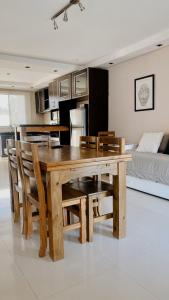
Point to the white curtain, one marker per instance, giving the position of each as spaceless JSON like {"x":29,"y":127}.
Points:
{"x":17,"y":109}
{"x":4,"y":110}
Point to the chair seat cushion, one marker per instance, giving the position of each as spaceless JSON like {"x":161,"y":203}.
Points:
{"x":91,"y":187}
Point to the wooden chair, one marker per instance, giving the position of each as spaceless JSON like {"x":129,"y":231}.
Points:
{"x":113,"y":144}
{"x":97,"y":190}
{"x":110,"y":143}
{"x":106,"y":133}
{"x":36,"y":196}
{"x":15,"y":179}
{"x":90,"y":142}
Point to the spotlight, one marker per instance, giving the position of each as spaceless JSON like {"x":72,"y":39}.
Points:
{"x":55,"y":24}
{"x":65,"y":18}
{"x":81,"y":6}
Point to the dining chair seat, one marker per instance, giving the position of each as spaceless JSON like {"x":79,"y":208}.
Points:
{"x":92,"y":187}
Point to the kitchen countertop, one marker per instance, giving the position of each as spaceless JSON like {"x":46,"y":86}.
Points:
{"x":39,"y":128}
{"x":39,"y":125}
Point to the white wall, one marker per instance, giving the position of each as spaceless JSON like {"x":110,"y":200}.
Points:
{"x":122,"y":117}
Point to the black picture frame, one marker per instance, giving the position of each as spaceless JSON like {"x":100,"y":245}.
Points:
{"x":138,"y":106}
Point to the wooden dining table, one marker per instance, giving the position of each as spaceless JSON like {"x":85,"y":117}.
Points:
{"x":66,"y":163}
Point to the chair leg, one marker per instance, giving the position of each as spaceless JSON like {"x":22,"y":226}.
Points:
{"x":83,"y":221}
{"x":24,"y":229}
{"x":95,"y":209}
{"x":43,"y":231}
{"x":66,"y":217}
{"x":90,"y":220}
{"x":29,"y":223}
{"x":99,"y":208}
{"x":16,"y":206}
{"x":64,"y":213}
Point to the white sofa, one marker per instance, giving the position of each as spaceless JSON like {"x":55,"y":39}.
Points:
{"x":149,"y":173}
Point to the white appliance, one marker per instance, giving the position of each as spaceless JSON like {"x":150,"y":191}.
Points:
{"x":78,"y":118}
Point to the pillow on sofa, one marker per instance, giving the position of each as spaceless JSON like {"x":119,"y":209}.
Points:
{"x":164,"y":143}
{"x":150,"y":142}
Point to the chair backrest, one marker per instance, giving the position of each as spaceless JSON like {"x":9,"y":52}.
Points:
{"x":12,"y":159}
{"x":41,"y":140}
{"x":114,"y":144}
{"x":30,"y":166}
{"x":90,"y":142}
{"x":106,"y":133}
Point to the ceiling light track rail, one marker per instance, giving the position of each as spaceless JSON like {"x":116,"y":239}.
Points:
{"x":64,"y":11}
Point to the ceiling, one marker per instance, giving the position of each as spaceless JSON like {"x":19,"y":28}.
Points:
{"x":107,"y":31}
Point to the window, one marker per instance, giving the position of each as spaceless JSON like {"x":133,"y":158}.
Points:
{"x":4,"y":110}
{"x":17,"y":108}
{"x":13,"y":109}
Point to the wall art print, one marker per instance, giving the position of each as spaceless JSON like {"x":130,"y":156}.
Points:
{"x":144,"y":93}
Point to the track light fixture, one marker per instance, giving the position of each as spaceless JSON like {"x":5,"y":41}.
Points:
{"x":82,"y":8}
{"x":64,"y":10}
{"x":55,"y":24}
{"x":65,"y":18}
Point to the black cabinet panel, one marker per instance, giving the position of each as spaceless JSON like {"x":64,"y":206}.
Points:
{"x":98,"y":100}
{"x":64,"y":108}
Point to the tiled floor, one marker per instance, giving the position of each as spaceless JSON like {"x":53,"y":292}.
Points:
{"x":135,"y":268}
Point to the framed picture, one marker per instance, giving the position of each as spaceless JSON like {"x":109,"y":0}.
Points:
{"x":144,"y":93}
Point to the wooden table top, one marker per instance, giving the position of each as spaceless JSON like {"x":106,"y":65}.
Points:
{"x":62,"y":157}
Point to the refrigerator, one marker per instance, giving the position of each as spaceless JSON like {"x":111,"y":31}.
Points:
{"x":78,"y":124}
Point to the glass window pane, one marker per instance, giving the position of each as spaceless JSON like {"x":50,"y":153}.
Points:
{"x":17,"y":105}
{"x":4,"y":110}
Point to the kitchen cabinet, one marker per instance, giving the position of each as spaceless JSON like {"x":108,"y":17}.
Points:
{"x":53,"y":95}
{"x":46,"y":100}
{"x":65,"y":87}
{"x":39,"y":101}
{"x":80,"y":83}
{"x":42,"y":100}
{"x":88,"y":86}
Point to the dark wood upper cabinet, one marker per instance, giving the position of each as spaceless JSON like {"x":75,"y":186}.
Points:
{"x":88,"y":86}
{"x":53,"y":95}
{"x":41,"y":101}
{"x":46,"y":99}
{"x":37,"y":104}
{"x":80,"y":84}
{"x":65,"y":87}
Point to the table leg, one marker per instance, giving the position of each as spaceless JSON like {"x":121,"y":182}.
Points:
{"x":55,"y":218}
{"x":119,"y":201}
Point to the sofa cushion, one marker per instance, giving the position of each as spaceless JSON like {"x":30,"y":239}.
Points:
{"x":149,"y":166}
{"x":150,"y":142}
